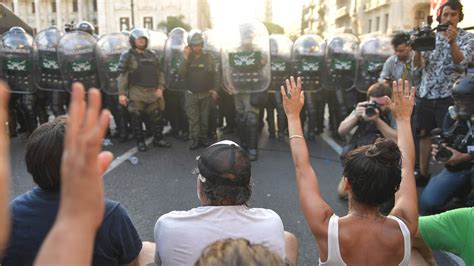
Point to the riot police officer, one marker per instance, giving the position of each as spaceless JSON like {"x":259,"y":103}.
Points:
{"x":246,"y":72}
{"x":141,"y":88}
{"x":199,"y":73}
{"x":18,"y":52}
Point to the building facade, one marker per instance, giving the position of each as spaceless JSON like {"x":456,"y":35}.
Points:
{"x":109,"y":15}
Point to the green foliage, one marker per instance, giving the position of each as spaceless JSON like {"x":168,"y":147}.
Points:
{"x":174,"y":22}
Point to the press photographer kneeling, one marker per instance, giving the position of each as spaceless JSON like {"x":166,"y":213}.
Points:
{"x":372,"y":119}
{"x":453,"y":146}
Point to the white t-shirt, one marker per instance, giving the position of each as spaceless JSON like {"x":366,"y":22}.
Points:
{"x":180,"y":236}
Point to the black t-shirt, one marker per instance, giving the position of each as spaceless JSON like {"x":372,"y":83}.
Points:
{"x":33,"y":214}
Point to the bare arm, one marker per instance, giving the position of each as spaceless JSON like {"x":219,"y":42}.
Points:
{"x":4,"y":168}
{"x":456,"y":52}
{"x":418,"y":60}
{"x":386,"y":130}
{"x":348,"y":124}
{"x":82,"y":195}
{"x":419,"y":245}
{"x":406,"y":201}
{"x":315,"y":209}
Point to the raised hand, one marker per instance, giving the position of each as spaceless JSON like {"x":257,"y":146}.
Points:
{"x":4,"y":166}
{"x":293,"y":97}
{"x":402,"y":101}
{"x":82,"y":195}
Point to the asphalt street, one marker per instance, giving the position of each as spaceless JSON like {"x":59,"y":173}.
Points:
{"x":163,"y":181}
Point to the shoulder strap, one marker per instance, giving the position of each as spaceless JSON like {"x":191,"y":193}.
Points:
{"x":406,"y":240}
{"x":334,"y":254}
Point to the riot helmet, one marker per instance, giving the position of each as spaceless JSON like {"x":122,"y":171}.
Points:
{"x":137,"y":33}
{"x":17,"y":29}
{"x":463,"y":95}
{"x":85,"y":26}
{"x":195,"y":37}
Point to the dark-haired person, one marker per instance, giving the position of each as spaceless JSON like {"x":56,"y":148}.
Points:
{"x":224,"y":189}
{"x":368,"y":127}
{"x":400,"y":64}
{"x":441,"y":68}
{"x":236,"y":252}
{"x":34,"y":213}
{"x":372,"y":174}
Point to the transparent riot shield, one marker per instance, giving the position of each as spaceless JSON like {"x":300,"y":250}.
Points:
{"x":175,"y":44}
{"x":307,"y":61}
{"x":373,"y":52}
{"x":18,"y":61}
{"x":245,"y":57}
{"x":108,"y":50}
{"x":47,"y":72}
{"x":77,"y":61}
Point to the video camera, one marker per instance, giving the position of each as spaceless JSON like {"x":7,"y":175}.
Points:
{"x":443,"y":139}
{"x":424,"y":38}
{"x":68,"y":27}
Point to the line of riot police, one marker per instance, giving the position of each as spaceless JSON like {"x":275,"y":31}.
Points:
{"x":251,"y":64}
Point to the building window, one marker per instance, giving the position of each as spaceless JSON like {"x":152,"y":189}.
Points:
{"x":33,"y":7}
{"x":94,"y":3}
{"x":148,"y":22}
{"x":124,"y":23}
{"x":377,"y":24}
{"x":53,"y":6}
{"x":74,"y":6}
{"x":386,"y":23}
{"x":370,"y":26}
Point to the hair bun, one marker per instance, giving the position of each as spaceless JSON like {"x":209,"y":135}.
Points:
{"x":385,"y":151}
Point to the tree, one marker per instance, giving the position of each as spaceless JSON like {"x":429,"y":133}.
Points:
{"x":172,"y":22}
{"x":274,"y":28}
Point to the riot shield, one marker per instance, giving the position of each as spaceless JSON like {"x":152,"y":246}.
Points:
{"x":280,"y":57}
{"x":373,"y":52}
{"x":76,"y":58}
{"x":245,"y":57}
{"x":108,"y":50}
{"x":307,"y":61}
{"x":174,"y":47}
{"x":340,"y":58}
{"x":18,"y":61}
{"x":47,"y":72}
{"x":212,"y":46}
{"x":156,"y":43}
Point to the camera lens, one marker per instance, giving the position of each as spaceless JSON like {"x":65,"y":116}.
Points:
{"x":443,"y":154}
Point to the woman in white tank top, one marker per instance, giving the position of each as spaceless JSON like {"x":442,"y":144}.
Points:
{"x":372,"y":175}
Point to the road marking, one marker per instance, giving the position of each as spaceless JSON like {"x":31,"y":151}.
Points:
{"x":331,"y":142}
{"x":122,"y":158}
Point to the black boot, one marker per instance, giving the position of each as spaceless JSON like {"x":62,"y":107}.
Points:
{"x":194,"y":145}
{"x":138,"y":131}
{"x":252,"y":135}
{"x":157,"y":127}
{"x":123,"y":124}
{"x":271,"y":122}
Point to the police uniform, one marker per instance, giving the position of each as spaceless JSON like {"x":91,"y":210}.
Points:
{"x":140,"y":76}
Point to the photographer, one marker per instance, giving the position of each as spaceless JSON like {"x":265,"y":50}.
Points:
{"x":453,"y":148}
{"x":372,"y":119}
{"x":441,"y":68}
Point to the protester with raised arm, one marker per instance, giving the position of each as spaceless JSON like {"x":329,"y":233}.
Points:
{"x":372,"y":174}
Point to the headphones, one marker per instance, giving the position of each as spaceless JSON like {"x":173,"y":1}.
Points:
{"x":449,"y":3}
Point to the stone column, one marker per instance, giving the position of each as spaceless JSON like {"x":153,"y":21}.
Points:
{"x":59,"y":21}
{"x":102,"y":15}
{"x":16,"y":7}
{"x":37,"y":15}
{"x":79,"y":10}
